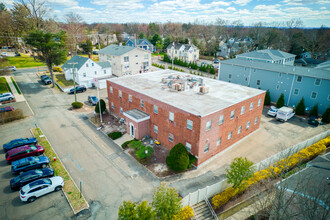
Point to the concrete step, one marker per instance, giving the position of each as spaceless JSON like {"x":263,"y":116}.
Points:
{"x":202,"y":211}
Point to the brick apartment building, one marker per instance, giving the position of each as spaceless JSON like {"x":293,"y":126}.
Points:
{"x":206,"y":115}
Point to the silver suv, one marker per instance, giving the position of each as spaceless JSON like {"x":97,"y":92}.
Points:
{"x":6,"y":96}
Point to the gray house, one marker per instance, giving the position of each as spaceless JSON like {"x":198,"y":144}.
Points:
{"x":294,"y":82}
{"x":268,"y":56}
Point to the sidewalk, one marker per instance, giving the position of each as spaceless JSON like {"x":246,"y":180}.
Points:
{"x":18,"y":97}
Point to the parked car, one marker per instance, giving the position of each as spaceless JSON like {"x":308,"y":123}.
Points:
{"x":272,"y":111}
{"x":30,"y":176}
{"x":6,"y":96}
{"x":92,"y":100}
{"x":35,"y":189}
{"x":217,"y":61}
{"x":284,"y":113}
{"x":24,"y":151}
{"x":12,"y":68}
{"x":78,"y":89}
{"x":6,"y":109}
{"x":95,"y":52}
{"x":313,"y":121}
{"x":29,"y":163}
{"x":4,"y":54}
{"x":17,"y":54}
{"x":19,"y":142}
{"x":46,"y":80}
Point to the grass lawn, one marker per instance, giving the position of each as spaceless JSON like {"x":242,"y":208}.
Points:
{"x":69,"y":188}
{"x":23,"y":61}
{"x":60,"y":79}
{"x":3,"y":85}
{"x":156,"y":54}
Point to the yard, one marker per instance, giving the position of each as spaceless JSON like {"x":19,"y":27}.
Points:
{"x":24,"y":61}
{"x":3,"y":85}
{"x":60,"y":79}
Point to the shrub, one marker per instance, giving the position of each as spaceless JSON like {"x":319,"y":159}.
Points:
{"x":192,"y":159}
{"x":280,"y":101}
{"x":300,"y":109}
{"x":144,"y":152}
{"x":135,"y":144}
{"x":17,"y":89}
{"x":267,"y":98}
{"x":326,"y":116}
{"x":178,"y":158}
{"x":125,"y":144}
{"x":315,"y":110}
{"x":11,"y":116}
{"x":57,"y":69}
{"x":185,"y":214}
{"x":77,"y":105}
{"x":103,"y":106}
{"x":240,"y":170}
{"x":115,"y":135}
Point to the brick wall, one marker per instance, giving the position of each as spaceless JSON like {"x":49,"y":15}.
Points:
{"x":198,"y":137}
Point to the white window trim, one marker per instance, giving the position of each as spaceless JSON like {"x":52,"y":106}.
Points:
{"x":188,"y":148}
{"x":312,"y":95}
{"x":219,"y":141}
{"x":256,"y":120}
{"x":120,"y":93}
{"x":242,"y":109}
{"x":192,"y":124}
{"x":169,"y":134}
{"x":169,"y":116}
{"x":295,"y":90}
{"x":232,"y":116}
{"x":208,"y":127}
{"x":230,"y":135}
{"x":111,"y":89}
{"x":300,"y":80}
{"x":130,"y":98}
{"x":155,"y":108}
{"x":315,"y":81}
{"x":248,"y":125}
{"x":259,"y":102}
{"x":155,"y":126}
{"x":208,"y":148}
{"x":251,"y":106}
{"x":239,"y":130}
{"x":221,"y":119}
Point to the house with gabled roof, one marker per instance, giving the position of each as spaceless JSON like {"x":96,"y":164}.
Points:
{"x":268,"y":56}
{"x":126,"y":60}
{"x":86,"y":71}
{"x":142,"y":44}
{"x":184,"y":52}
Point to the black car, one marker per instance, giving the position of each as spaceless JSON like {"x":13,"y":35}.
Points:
{"x":313,"y":121}
{"x":78,"y":89}
{"x":30,"y":176}
{"x":29,"y":163}
{"x":46,"y":80}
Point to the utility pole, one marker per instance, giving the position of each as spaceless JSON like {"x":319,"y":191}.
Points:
{"x":172,"y":54}
{"x":74,"y":81}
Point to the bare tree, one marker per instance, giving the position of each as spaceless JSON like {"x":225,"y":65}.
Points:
{"x":74,"y":27}
{"x":37,"y":11}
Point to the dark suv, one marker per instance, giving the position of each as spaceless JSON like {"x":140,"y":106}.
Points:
{"x":19,"y":142}
{"x":46,"y":80}
{"x":78,"y":89}
{"x":92,"y":100}
{"x":29,"y":176}
{"x":29,"y":163}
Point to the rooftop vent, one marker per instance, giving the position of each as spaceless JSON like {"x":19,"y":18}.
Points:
{"x":203,"y":90}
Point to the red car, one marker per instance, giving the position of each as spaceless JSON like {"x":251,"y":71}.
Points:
{"x":24,"y":151}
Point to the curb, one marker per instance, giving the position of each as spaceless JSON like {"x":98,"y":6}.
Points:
{"x":75,"y":212}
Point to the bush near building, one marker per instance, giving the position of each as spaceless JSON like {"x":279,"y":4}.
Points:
{"x":315,"y":110}
{"x":326,"y":116}
{"x":6,"y":117}
{"x":300,"y":109}
{"x":77,"y":105}
{"x":267,"y":98}
{"x":280,"y":167}
{"x":115,"y":135}
{"x":280,"y":101}
{"x":178,"y":158}
{"x":103,"y":106}
{"x":57,"y":69}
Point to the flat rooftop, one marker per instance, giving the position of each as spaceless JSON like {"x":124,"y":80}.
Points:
{"x":221,"y":94}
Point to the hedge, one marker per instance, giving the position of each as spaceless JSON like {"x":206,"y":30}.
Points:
{"x":125,"y":144}
{"x":76,"y":105}
{"x":115,"y":135}
{"x":185,"y":213}
{"x":11,"y":116}
{"x":17,"y":89}
{"x":273,"y":171}
{"x":57,"y":69}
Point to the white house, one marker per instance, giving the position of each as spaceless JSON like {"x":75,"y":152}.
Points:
{"x":185,"y":52}
{"x":86,"y":71}
{"x":126,"y":60}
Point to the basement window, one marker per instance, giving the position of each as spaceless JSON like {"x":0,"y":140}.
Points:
{"x":170,"y":137}
{"x":188,"y":147}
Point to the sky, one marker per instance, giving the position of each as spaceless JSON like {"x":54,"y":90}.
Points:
{"x":313,"y":13}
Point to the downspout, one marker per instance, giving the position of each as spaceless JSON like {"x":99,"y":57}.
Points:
{"x":219,"y":71}
{"x":250,"y":76}
{"x":291,"y":89}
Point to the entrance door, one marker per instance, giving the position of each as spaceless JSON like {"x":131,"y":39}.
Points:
{"x":131,"y":129}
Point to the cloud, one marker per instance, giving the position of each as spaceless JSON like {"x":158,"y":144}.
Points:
{"x":67,"y":3}
{"x":8,"y":2}
{"x":242,"y":2}
{"x":304,"y":2}
{"x":323,"y":8}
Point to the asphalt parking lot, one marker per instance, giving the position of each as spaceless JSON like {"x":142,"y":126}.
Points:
{"x":53,"y":205}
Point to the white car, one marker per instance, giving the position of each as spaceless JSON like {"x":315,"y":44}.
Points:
{"x":31,"y":191}
{"x":6,"y":96}
{"x":12,"y":68}
{"x":272,"y":111}
{"x":4,"y":54}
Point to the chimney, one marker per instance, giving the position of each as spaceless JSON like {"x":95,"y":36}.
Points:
{"x":89,"y":55}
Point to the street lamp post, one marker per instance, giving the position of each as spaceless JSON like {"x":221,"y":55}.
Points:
{"x":74,"y":81}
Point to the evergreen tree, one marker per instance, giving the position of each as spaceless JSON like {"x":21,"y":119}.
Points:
{"x":267,"y":98}
{"x":280,"y":101}
{"x":326,"y":116}
{"x":103,"y":106}
{"x":300,"y":109}
{"x":315,"y":110}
